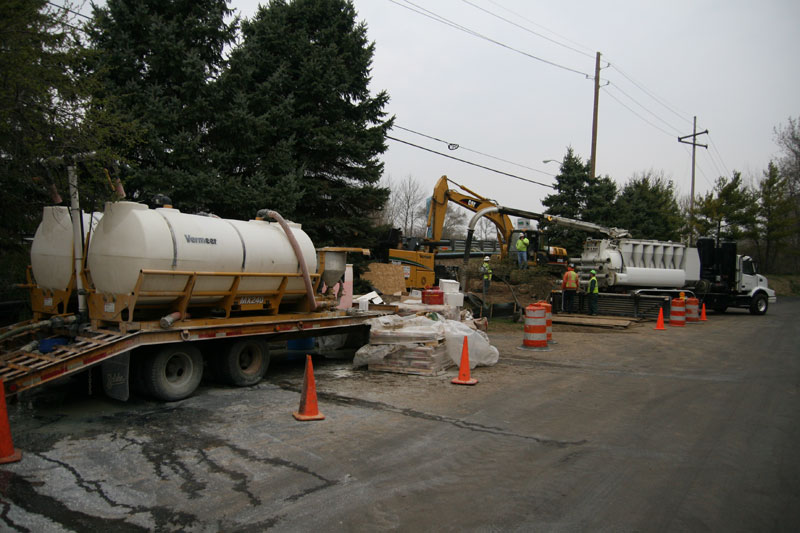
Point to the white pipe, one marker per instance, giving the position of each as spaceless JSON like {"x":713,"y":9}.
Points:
{"x":77,"y":235}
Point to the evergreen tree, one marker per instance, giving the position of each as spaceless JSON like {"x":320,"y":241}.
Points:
{"x":300,"y":132}
{"x":647,"y":207}
{"x":601,"y":194}
{"x":728,"y":211}
{"x":47,"y":116}
{"x":580,"y":197}
{"x":776,"y":222}
{"x":155,"y":63}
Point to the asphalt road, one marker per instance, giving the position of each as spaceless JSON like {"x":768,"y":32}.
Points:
{"x":686,"y":429}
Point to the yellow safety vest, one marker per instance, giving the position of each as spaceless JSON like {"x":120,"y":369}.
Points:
{"x":487,"y":274}
{"x":593,"y":286}
{"x":522,"y":244}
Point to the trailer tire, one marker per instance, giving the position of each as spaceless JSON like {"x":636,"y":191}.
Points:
{"x":173,"y":372}
{"x":244,"y":363}
{"x":759,"y":304}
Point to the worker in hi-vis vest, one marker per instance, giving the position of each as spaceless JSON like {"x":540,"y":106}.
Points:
{"x":522,"y":251}
{"x":569,"y":286}
{"x":593,"y":293}
{"x":486,"y":270}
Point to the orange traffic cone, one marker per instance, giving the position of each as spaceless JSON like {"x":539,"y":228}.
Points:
{"x":660,"y":323}
{"x":703,"y":313}
{"x":7,"y":452}
{"x":463,"y":370}
{"x":308,"y":398}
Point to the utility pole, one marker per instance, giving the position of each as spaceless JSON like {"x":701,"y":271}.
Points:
{"x":594,"y":115}
{"x":694,"y":144}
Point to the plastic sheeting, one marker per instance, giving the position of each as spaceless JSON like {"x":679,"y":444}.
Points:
{"x":404,"y":329}
{"x":481,"y":352}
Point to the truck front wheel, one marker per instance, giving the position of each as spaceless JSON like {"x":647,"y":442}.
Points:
{"x":173,"y":372}
{"x":759,"y":304}
{"x":244,"y":363}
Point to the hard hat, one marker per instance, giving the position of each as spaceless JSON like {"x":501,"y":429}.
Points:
{"x":571,"y":265}
{"x":486,"y":258}
{"x":593,"y":272}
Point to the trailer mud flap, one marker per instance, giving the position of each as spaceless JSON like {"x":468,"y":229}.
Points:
{"x":115,"y":376}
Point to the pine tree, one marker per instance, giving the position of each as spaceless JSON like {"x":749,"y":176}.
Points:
{"x":300,"y":132}
{"x":579,"y":197}
{"x":647,"y":207}
{"x":155,"y":62}
{"x":728,"y":211}
{"x":47,"y":116}
{"x":776,"y":222}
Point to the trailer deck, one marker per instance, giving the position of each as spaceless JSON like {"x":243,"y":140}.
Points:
{"x":22,"y":369}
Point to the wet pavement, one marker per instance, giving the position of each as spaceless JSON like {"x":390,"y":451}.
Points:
{"x":691,"y":428}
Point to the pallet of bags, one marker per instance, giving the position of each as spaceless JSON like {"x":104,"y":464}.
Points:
{"x":407,"y":345}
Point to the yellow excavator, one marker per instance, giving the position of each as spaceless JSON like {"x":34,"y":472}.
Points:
{"x":418,"y":258}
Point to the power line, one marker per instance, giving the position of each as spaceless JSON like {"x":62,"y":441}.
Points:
{"x":471,"y":163}
{"x":588,"y":50}
{"x":721,"y":160}
{"x":438,"y":18}
{"x":456,"y":146}
{"x":65,"y":8}
{"x":659,"y":128}
{"x":714,"y":164}
{"x":689,"y":153}
{"x":528,"y":29}
{"x":632,"y":99}
{"x":650,"y":94}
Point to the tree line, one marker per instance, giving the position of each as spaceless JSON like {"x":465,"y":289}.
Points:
{"x":229,"y":115}
{"x":184,"y":98}
{"x":763,"y":216}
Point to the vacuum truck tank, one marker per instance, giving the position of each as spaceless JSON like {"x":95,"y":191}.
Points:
{"x":132,"y":237}
{"x":640,"y":263}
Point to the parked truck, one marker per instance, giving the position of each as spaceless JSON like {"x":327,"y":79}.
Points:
{"x":154,"y":296}
{"x":712,"y":271}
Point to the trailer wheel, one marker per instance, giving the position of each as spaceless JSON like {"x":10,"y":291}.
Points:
{"x":173,"y":372}
{"x":244,"y":363}
{"x":759,"y":305}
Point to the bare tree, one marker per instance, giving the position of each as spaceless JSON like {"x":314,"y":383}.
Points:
{"x":486,"y":230}
{"x":455,"y":222}
{"x":788,"y":140}
{"x":405,"y":208}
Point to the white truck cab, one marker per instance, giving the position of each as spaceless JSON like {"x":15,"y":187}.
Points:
{"x":753,"y":285}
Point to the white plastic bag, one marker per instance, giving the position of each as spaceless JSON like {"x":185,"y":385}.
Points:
{"x":481,"y":352}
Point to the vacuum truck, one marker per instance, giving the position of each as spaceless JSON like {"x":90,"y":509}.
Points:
{"x":714,"y":272}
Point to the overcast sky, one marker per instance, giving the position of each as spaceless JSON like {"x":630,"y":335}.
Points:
{"x":731,"y":63}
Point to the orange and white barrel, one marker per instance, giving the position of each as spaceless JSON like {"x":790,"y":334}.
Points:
{"x":692,"y":311}
{"x":549,"y":314}
{"x":535,"y":328}
{"x":677,"y":312}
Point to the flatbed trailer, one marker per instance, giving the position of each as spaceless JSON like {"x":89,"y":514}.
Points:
{"x":22,"y":368}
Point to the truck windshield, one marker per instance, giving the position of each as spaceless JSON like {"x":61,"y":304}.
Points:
{"x":748,"y":267}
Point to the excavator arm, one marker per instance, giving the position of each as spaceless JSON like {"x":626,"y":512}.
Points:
{"x":442,"y":194}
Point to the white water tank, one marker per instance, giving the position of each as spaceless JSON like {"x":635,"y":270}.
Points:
{"x":52,"y":248}
{"x":132,"y":237}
